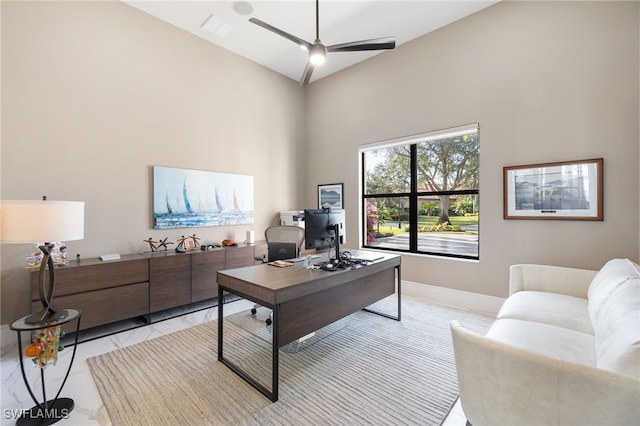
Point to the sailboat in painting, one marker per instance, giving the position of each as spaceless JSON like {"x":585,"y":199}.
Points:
{"x":236,"y":207}
{"x":185,"y":194}
{"x":169,"y":208}
{"x":218,"y":202}
{"x":189,"y":198}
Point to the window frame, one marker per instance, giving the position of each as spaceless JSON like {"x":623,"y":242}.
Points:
{"x":413,"y":194}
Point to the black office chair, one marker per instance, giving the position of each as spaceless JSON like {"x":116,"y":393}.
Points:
{"x":281,"y":234}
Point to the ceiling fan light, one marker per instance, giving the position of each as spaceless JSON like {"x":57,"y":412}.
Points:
{"x":317,"y":54}
{"x":317,"y":59}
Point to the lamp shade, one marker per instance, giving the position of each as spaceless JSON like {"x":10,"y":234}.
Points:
{"x":41,"y":221}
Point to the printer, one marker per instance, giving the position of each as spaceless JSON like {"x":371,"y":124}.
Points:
{"x":292,"y":218}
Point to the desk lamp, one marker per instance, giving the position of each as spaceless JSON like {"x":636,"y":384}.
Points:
{"x":42,"y":222}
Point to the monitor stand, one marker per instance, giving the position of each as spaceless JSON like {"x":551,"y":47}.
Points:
{"x":336,"y":239}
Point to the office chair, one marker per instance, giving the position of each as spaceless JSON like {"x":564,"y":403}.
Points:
{"x":285,"y":234}
{"x":281,"y":234}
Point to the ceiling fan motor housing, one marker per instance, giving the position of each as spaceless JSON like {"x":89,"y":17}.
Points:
{"x":317,"y":53}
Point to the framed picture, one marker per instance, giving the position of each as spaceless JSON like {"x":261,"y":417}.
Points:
{"x":570,"y":190}
{"x":331,"y":196}
{"x":184,"y":198}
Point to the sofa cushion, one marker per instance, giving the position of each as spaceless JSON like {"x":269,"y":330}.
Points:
{"x":546,"y":340}
{"x":612,"y":275}
{"x":617,"y":330}
{"x":548,"y":308}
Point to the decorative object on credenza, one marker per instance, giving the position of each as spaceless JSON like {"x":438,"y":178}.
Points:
{"x":195,"y":240}
{"x":109,"y":256}
{"x":331,"y":196}
{"x":185,"y":198}
{"x":164,"y":243}
{"x":569,"y":190}
{"x":212,"y":246}
{"x":43,"y":222}
{"x":251,"y":238}
{"x":152,"y":244}
{"x":182,"y":242}
{"x":58,"y":253}
{"x":229,"y":243}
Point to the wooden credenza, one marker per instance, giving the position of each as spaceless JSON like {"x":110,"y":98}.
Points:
{"x":141,"y":285}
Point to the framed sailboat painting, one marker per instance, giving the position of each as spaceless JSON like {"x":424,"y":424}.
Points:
{"x":184,"y":198}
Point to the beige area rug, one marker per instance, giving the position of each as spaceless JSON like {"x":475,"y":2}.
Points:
{"x":372,"y":370}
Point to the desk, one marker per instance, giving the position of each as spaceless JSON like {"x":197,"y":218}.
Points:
{"x":304,"y":300}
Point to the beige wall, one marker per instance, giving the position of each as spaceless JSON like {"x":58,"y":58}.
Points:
{"x":96,"y":93}
{"x":546,"y":81}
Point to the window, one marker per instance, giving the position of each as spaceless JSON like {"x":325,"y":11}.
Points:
{"x":421,"y":194}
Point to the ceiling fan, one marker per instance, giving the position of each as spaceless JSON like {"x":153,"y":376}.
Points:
{"x":318,"y":51}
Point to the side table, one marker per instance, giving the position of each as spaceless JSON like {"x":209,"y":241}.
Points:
{"x":56,"y":409}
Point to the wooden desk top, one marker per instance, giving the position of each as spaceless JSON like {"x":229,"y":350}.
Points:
{"x":274,"y":285}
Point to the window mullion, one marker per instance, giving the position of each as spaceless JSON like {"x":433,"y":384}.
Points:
{"x":413,"y":201}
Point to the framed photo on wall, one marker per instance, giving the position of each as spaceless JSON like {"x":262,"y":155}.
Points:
{"x":331,"y":196}
{"x":570,"y":190}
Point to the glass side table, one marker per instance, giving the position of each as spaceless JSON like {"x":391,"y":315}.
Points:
{"x":44,"y":352}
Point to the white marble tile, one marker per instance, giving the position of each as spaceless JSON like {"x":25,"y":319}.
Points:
{"x":89,"y":409}
{"x":456,"y":416}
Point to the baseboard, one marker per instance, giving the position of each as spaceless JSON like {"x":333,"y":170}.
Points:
{"x":481,"y":303}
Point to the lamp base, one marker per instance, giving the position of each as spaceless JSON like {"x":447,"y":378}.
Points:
{"x":57,"y":410}
{"x":47,"y":315}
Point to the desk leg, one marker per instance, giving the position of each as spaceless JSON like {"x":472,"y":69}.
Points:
{"x":273,"y":393}
{"x":399,"y":316}
{"x":275,"y":353}
{"x":220,"y":317}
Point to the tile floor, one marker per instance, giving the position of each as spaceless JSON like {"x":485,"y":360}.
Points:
{"x":89,"y":409}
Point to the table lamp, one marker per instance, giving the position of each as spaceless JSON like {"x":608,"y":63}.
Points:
{"x":42,"y":222}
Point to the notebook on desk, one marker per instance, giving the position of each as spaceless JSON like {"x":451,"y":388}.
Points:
{"x":282,"y":251}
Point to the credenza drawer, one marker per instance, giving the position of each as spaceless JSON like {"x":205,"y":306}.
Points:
{"x":104,"y":306}
{"x":204,"y":268}
{"x":169,"y":282}
{"x":83,"y":277}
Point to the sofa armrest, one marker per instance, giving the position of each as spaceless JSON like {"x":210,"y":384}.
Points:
{"x":553,"y":279}
{"x":500,"y":384}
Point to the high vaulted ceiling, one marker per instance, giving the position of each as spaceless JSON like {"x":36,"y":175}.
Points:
{"x":226,"y":23}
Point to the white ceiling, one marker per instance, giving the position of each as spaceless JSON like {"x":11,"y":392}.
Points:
{"x":340,"y":22}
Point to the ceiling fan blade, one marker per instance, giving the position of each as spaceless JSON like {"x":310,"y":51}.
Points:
{"x":291,"y":37}
{"x":306,"y":76}
{"x":383,"y":43}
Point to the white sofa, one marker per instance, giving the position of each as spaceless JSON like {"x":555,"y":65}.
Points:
{"x":564,"y":350}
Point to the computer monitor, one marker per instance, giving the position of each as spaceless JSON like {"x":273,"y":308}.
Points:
{"x":324,"y":228}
